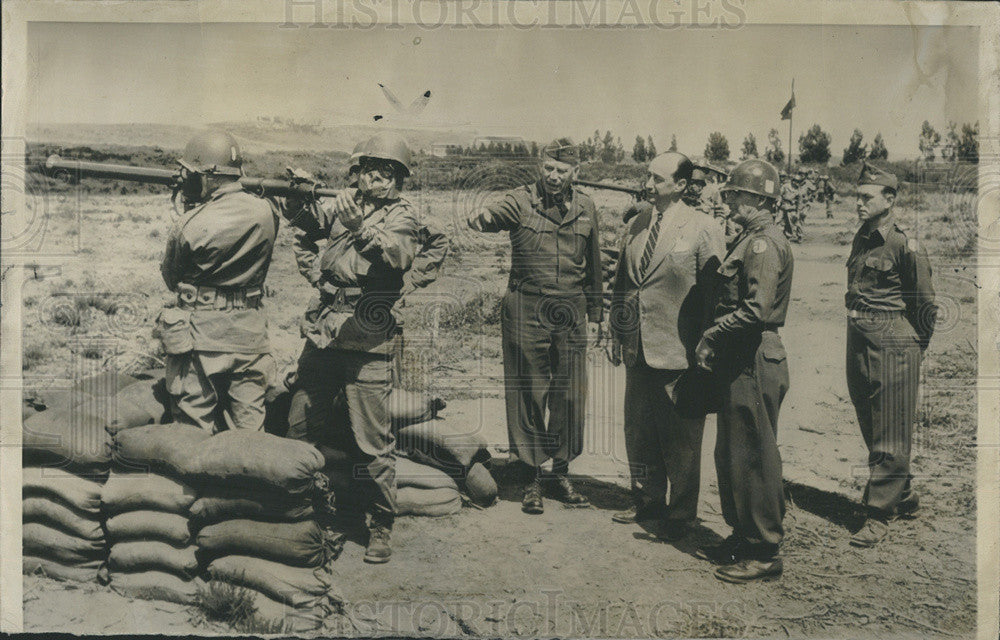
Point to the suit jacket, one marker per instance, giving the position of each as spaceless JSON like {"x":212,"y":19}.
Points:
{"x":664,"y":312}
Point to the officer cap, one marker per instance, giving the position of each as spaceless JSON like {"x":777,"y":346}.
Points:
{"x":213,"y":152}
{"x":870,"y":174}
{"x":754,"y":176}
{"x":562,"y":150}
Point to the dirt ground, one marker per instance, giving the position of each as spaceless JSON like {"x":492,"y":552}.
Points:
{"x":572,"y":572}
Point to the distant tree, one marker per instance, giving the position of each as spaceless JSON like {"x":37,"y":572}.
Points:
{"x":951,"y":142}
{"x":929,"y":140}
{"x":878,"y":150}
{"x":650,"y":148}
{"x":609,"y":150}
{"x":673,"y":143}
{"x":534,"y":149}
{"x":774,"y":153}
{"x":968,"y":146}
{"x":619,"y":150}
{"x":717,"y":148}
{"x":855,"y":151}
{"x":749,"y":147}
{"x":639,"y":149}
{"x":814,"y":145}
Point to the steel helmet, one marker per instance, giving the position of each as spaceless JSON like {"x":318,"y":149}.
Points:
{"x":355,"y":163}
{"x":388,"y":146}
{"x":754,"y":176}
{"x":213,"y":152}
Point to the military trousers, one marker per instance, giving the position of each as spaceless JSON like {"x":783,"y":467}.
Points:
{"x":746,"y":451}
{"x":342,"y":403}
{"x":663,"y":448}
{"x":219,"y":390}
{"x":545,"y":372}
{"x":883,"y":376}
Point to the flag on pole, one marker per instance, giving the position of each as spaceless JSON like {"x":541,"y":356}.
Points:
{"x":786,"y":113}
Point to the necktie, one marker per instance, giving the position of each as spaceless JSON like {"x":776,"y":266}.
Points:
{"x":647,"y":253}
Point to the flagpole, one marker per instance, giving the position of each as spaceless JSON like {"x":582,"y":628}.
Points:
{"x":791,"y":113}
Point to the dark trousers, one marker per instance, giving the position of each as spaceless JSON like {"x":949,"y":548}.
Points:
{"x":662,"y":446}
{"x":883,"y":375}
{"x":342,"y":403}
{"x":746,"y":449}
{"x":545,"y":368}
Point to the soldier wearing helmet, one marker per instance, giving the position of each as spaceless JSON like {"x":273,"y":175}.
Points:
{"x":345,"y":370}
{"x":659,"y":307}
{"x":743,"y":349}
{"x":789,"y":209}
{"x":218,"y":357}
{"x":555,"y":288}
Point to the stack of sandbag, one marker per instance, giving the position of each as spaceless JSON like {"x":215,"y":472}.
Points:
{"x":146,"y":502}
{"x":459,"y":452}
{"x":422,"y":490}
{"x":256,"y":528}
{"x":65,"y":461}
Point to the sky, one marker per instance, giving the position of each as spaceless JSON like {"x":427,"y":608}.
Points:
{"x":538,"y":83}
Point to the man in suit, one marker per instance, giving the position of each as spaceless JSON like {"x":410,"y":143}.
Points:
{"x":660,"y":305}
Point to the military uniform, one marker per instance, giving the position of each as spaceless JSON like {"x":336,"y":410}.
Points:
{"x":216,"y":340}
{"x":891,"y":314}
{"x":345,"y":370}
{"x":791,"y":198}
{"x":755,"y":288}
{"x":434,"y":246}
{"x":555,"y":285}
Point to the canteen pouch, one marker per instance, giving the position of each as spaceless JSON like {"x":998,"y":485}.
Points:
{"x":173,"y":328}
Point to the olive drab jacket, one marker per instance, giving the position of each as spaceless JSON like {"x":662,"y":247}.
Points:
{"x":555,"y":244}
{"x":433,"y":249}
{"x":359,"y":275}
{"x":889,"y":271}
{"x":755,"y":282}
{"x":216,"y":260}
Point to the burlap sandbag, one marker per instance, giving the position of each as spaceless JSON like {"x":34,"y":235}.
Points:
{"x":81,"y":572}
{"x":104,"y":384}
{"x":295,"y":586}
{"x":251,"y":460}
{"x":427,"y":502}
{"x":166,"y":448}
{"x":443,"y":444}
{"x":141,"y":403}
{"x":56,"y":514}
{"x":156,"y":585}
{"x":52,"y":544}
{"x":293,"y":619}
{"x":421,"y":476}
{"x":216,"y":505}
{"x":148,"y":555}
{"x":82,"y":494}
{"x":299,"y":544}
{"x":137,"y":491}
{"x":149,"y":525}
{"x":72,"y":438}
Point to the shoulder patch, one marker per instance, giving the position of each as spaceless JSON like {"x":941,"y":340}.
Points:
{"x":759,"y":245}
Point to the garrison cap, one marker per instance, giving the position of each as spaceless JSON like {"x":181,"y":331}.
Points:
{"x":870,"y":174}
{"x":563,"y":150}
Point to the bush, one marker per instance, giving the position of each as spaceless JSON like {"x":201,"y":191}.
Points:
{"x":482,"y":310}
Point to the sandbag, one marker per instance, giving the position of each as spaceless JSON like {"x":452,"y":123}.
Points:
{"x":103,"y":384}
{"x":167,"y":448}
{"x":252,"y":459}
{"x":299,"y":544}
{"x":70,"y":489}
{"x":149,"y":555}
{"x":52,"y":544}
{"x":421,"y":476}
{"x":81,"y":572}
{"x":218,"y":505}
{"x":410,"y":407}
{"x":480,"y":485}
{"x":295,"y":586}
{"x":58,"y":515}
{"x":443,"y":444}
{"x":156,"y":585}
{"x":139,"y":491}
{"x":149,"y":525}
{"x":74,"y":438}
{"x":302,"y":618}
{"x":142,"y":402}
{"x":427,"y":502}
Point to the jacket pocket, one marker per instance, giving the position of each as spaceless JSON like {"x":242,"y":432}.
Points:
{"x":173,"y":328}
{"x":772,"y":350}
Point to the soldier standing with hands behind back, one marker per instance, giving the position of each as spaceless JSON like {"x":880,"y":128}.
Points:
{"x":744,"y":350}
{"x":890,"y":320}
{"x":555,"y":288}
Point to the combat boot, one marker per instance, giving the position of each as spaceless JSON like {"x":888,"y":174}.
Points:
{"x":378,"y":550}
{"x":751,"y":570}
{"x":643,"y":512}
{"x":873,"y":531}
{"x":564,"y":491}
{"x":532,"y":501}
{"x":726,"y":552}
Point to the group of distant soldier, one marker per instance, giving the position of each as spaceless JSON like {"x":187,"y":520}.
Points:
{"x":700,"y":290}
{"x":798,"y":192}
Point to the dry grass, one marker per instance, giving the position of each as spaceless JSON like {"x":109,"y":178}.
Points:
{"x":233,"y":605}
